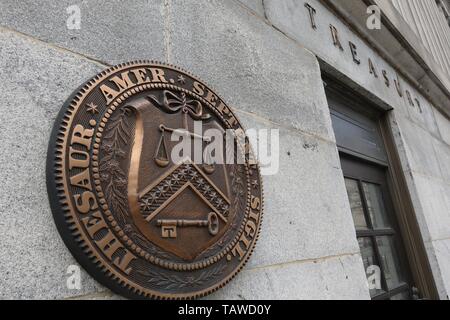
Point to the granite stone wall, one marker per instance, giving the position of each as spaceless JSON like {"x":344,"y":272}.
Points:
{"x":421,"y":131}
{"x":308,"y":248}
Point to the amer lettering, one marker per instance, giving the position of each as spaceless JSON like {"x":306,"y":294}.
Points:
{"x":128,"y":79}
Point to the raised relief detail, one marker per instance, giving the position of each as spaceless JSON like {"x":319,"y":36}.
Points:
{"x":140,"y":222}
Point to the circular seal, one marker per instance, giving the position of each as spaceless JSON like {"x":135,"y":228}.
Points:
{"x":152,"y":183}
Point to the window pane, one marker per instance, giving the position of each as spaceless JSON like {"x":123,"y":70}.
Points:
{"x":371,"y":266}
{"x":356,"y":204}
{"x":376,"y":207}
{"x":393,"y":272}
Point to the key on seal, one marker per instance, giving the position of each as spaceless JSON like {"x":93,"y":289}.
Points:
{"x":169,"y":227}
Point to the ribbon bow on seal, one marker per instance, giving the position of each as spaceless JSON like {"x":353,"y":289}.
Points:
{"x":173,"y":103}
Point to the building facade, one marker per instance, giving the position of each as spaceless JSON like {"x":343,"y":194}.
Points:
{"x":359,"y":91}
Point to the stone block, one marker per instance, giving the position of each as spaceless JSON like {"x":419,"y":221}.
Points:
{"x":435,"y":202}
{"x":444,"y":126}
{"x":419,"y":148}
{"x":256,"y":5}
{"x":442,"y":248}
{"x":340,"y":278}
{"x":36,"y":80}
{"x":110,"y":31}
{"x":255,"y":67}
{"x":442,"y":151}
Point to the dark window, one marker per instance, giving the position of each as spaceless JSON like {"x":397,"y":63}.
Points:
{"x":392,"y":248}
{"x":365,"y":165}
{"x":379,"y":241}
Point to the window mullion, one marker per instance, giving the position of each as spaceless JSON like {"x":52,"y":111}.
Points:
{"x":380,"y":261}
{"x":365,"y":206}
{"x":373,"y":237}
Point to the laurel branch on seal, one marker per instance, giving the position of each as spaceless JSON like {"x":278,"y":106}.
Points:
{"x":171,"y":281}
{"x":115,"y":140}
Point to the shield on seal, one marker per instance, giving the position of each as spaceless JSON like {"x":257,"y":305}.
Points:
{"x":181,"y":206}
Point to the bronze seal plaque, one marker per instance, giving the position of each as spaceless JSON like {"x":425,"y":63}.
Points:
{"x":143,"y":215}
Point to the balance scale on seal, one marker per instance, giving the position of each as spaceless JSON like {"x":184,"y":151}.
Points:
{"x":169,"y":227}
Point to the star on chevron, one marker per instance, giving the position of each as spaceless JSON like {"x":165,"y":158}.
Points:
{"x":146,"y":204}
{"x":92,"y":108}
{"x":169,"y":185}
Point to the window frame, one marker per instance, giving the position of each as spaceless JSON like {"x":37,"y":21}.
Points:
{"x":374,"y":233}
{"x":408,"y":227}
